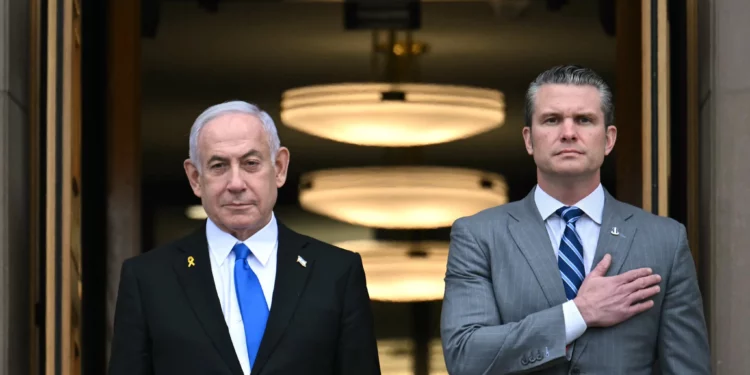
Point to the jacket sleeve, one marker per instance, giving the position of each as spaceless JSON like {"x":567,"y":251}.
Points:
{"x":357,"y":347}
{"x":682,"y":319}
{"x":475,"y":338}
{"x":131,"y":347}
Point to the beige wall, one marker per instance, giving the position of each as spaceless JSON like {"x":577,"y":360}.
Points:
{"x":725,"y":136}
{"x":14,"y":236}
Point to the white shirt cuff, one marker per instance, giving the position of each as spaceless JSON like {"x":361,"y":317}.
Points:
{"x":575,"y":326}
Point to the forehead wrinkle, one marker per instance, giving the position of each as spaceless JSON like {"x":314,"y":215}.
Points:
{"x":555,"y":107}
{"x":235,"y":131}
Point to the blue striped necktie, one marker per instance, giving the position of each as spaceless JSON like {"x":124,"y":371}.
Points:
{"x":252,"y":301}
{"x":570,"y":256}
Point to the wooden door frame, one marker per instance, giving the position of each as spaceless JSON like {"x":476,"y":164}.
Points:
{"x":109,"y":117}
{"x":652,"y":119}
{"x":62,"y":300}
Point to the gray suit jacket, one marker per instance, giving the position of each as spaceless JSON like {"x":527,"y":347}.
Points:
{"x":502,"y":310}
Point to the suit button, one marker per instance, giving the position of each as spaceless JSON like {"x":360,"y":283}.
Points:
{"x":575,"y":371}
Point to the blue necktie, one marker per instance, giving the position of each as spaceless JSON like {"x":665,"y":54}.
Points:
{"x":253,"y":306}
{"x":570,"y":256}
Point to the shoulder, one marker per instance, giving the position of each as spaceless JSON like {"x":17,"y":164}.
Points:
{"x":663,"y":232}
{"x":332,"y":255}
{"x":494,"y":217}
{"x":650,"y":222}
{"x":156,"y":259}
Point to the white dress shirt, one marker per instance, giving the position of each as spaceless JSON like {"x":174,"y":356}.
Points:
{"x":263,"y":246}
{"x":588,"y":229}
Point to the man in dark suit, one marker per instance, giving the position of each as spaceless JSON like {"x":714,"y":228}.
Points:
{"x":243,"y":293}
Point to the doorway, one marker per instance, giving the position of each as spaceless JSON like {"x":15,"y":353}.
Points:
{"x":87,"y":164}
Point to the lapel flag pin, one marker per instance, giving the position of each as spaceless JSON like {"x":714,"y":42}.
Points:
{"x":301,"y":261}
{"x":191,"y":262}
{"x":614,"y":231}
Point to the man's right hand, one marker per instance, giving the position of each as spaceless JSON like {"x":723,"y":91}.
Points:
{"x":605,"y":301}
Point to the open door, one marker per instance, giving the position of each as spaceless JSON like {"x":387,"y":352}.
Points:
{"x":657,"y":109}
{"x":642,"y":103}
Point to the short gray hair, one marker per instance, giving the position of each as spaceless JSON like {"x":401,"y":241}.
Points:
{"x":232,"y":107}
{"x":571,"y":75}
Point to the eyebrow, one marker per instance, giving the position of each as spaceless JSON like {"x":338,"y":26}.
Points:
{"x":223,"y":159}
{"x":557,"y":113}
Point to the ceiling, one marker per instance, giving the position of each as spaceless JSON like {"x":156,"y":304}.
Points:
{"x":254,"y":50}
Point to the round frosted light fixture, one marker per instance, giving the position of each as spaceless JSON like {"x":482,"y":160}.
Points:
{"x":392,"y":115}
{"x":401,"y":197}
{"x":196,"y":212}
{"x":402,"y":271}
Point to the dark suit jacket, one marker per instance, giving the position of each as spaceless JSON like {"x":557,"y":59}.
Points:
{"x":168,"y":318}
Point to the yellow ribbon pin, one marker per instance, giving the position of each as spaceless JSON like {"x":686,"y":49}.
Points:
{"x":191,"y":261}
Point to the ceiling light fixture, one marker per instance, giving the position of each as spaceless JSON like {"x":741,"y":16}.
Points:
{"x":395,"y":109}
{"x":401,"y":197}
{"x":399,"y":271}
{"x":392,"y":114}
{"x":196,"y":212}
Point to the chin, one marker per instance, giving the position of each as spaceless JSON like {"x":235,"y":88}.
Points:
{"x":573,"y":173}
{"x":567,"y":171}
{"x":242,"y":220}
{"x":247,"y":218}
{"x":239,"y":225}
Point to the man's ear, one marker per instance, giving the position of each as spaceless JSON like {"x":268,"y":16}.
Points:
{"x":527,"y":140}
{"x":611,"y":139}
{"x":281,"y":166}
{"x":193,"y":176}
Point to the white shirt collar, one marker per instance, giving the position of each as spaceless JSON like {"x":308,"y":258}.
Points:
{"x":261,"y":244}
{"x":592,"y":205}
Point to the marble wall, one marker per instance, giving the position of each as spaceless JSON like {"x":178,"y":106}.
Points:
{"x":724,"y":53}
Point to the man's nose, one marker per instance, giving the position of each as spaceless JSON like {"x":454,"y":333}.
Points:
{"x":568,"y":129}
{"x":235,"y":180}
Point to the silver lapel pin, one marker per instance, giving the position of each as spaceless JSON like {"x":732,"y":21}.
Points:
{"x":301,"y":261}
{"x":614,"y":231}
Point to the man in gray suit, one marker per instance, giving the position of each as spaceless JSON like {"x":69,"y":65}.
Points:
{"x":520,"y":292}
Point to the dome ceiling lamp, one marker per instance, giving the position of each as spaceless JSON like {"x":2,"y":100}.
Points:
{"x":397,"y":111}
{"x":405,"y":197}
{"x":402,"y":271}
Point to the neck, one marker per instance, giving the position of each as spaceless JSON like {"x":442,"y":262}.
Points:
{"x":566,"y":189}
{"x":245,"y":233}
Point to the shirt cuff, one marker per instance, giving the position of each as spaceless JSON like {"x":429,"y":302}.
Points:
{"x":575,"y":326}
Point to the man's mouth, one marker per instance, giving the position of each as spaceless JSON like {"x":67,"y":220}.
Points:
{"x":238,"y":205}
{"x":569,"y":151}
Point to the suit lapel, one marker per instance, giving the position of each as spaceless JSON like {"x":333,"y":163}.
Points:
{"x":291,"y":277}
{"x":615,"y":220}
{"x":198,"y":283}
{"x":615,"y":217}
{"x":530,"y":234}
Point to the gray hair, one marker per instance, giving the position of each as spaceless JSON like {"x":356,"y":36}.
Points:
{"x":232,"y":107}
{"x":571,"y":75}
